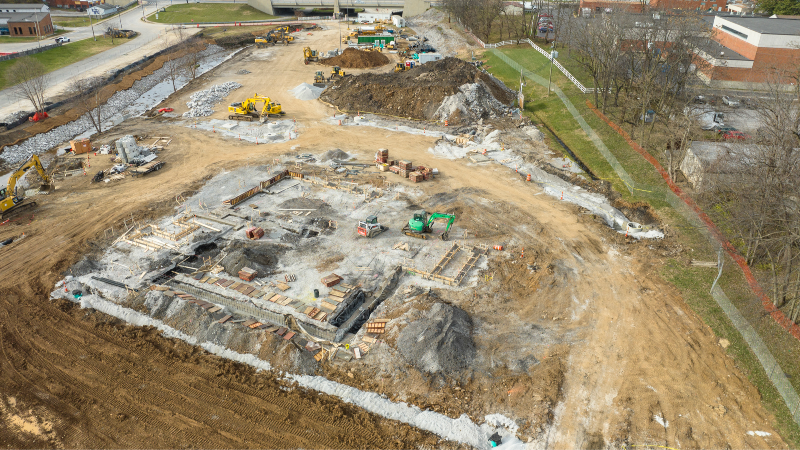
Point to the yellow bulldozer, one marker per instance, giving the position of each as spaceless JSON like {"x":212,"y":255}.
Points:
{"x":310,"y":55}
{"x":248,"y":109}
{"x":337,"y":72}
{"x":9,"y":198}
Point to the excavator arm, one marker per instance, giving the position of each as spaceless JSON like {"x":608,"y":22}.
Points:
{"x":8,"y":197}
{"x":450,"y":218}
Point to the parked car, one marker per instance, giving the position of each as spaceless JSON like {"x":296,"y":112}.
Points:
{"x":725,"y":129}
{"x":700,"y":99}
{"x":735,"y":136}
{"x":61,"y":40}
{"x":733,"y":103}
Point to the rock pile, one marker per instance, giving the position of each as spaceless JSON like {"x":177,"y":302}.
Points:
{"x":42,"y":142}
{"x":201,"y":103}
{"x":352,"y":58}
{"x":439,"y":342}
{"x":128,"y":150}
{"x":428,"y":92}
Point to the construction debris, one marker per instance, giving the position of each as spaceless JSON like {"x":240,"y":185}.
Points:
{"x":203,"y":102}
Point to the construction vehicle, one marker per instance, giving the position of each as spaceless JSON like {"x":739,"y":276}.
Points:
{"x":8,"y":196}
{"x":247,"y":110}
{"x":403,"y":66}
{"x":337,"y":71}
{"x":263,"y":41}
{"x":421,"y":224}
{"x":310,"y":55}
{"x":319,"y":79}
{"x":370,"y":227}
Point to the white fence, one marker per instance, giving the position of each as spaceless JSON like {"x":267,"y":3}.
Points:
{"x":544,"y":52}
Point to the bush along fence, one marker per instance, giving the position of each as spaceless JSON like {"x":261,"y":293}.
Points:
{"x":768,"y":362}
{"x":544,"y":52}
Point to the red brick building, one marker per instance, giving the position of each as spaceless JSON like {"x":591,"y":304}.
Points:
{"x":747,"y":50}
{"x":26,"y":24}
{"x":599,"y":6}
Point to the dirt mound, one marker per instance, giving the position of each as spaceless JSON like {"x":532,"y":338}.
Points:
{"x":353,"y":58}
{"x":261,"y":257}
{"x":441,"y":341}
{"x":449,"y":89}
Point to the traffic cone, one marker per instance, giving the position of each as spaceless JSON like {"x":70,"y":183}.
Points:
{"x":562,"y":195}
{"x":213,"y":130}
{"x":340,"y":122}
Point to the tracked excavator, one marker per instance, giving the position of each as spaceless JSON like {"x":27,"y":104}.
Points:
{"x":248,"y":110}
{"x":422,"y":224}
{"x":9,"y":199}
{"x":310,"y":55}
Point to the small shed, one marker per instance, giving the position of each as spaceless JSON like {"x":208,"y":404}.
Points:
{"x":101,"y":11}
{"x":398,"y":21}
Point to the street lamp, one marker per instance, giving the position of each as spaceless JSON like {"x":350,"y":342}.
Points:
{"x":92,"y":25}
{"x":553,"y":55}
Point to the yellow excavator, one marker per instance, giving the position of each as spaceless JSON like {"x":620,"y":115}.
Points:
{"x":8,"y":197}
{"x":310,"y":55}
{"x":247,"y":110}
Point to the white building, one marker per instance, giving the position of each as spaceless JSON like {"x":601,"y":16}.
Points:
{"x":398,"y":21}
{"x":24,"y":7}
{"x":374,"y":17}
{"x":101,"y":11}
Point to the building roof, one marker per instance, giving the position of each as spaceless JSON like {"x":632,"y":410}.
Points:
{"x":765,"y":25}
{"x":103,"y":6}
{"x":18,"y":6}
{"x":714,"y":48}
{"x":23,"y":17}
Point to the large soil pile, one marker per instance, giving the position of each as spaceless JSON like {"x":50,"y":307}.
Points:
{"x":352,"y":58}
{"x":441,"y":341}
{"x":449,"y":89}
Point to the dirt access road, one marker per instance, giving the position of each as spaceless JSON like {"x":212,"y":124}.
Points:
{"x":644,"y":368}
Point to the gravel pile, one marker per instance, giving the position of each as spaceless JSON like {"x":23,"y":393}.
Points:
{"x":13,"y":117}
{"x":129,"y":150}
{"x":43,"y":142}
{"x":306,"y":91}
{"x":201,"y":103}
{"x":243,"y":72}
{"x":441,"y":341}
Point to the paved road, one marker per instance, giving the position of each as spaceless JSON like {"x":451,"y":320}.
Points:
{"x":129,"y":20}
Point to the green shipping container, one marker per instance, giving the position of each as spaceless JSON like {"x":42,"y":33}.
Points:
{"x":380,"y":40}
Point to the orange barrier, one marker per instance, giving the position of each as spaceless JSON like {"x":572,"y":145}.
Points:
{"x":773,"y":311}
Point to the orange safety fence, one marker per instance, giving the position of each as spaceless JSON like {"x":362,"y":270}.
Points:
{"x":773,"y":311}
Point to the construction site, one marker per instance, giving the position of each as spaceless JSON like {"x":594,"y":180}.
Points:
{"x":309,"y":248}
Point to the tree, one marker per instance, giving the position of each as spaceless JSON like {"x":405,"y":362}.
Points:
{"x":781,"y":7}
{"x":30,"y":80}
{"x":87,"y":100}
{"x":760,"y":197}
{"x":111,"y":32}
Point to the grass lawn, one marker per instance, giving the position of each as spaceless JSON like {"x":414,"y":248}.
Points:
{"x":209,"y":12}
{"x":65,"y":55}
{"x":693,"y":283}
{"x":72,"y":22}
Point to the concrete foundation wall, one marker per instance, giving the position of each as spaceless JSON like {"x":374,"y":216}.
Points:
{"x":262,"y":5}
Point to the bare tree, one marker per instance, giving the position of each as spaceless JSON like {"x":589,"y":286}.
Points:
{"x":111,"y":31}
{"x":30,"y":80}
{"x":759,"y":195}
{"x":193,"y":48}
{"x":87,"y":97}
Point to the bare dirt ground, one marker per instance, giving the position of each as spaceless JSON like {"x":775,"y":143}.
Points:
{"x":634,"y":366}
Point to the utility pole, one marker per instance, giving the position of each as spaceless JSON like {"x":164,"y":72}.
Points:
{"x":92,"y":26}
{"x":142,"y":3}
{"x":553,"y":55}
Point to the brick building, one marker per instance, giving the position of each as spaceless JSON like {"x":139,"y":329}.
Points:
{"x":744,"y":51}
{"x":695,"y":5}
{"x":25,"y":24}
{"x":600,"y":6}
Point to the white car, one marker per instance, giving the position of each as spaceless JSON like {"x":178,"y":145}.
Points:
{"x":61,"y":40}
{"x":733,"y":103}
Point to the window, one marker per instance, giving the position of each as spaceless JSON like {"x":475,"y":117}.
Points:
{"x":30,"y":30}
{"x":733,"y":32}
